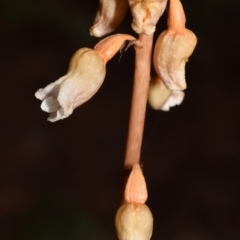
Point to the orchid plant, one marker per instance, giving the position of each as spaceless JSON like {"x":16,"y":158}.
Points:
{"x":164,"y":89}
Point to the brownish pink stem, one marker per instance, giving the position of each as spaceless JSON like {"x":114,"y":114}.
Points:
{"x":139,"y":100}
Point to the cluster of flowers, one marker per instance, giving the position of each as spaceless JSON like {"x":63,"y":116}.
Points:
{"x":87,"y":67}
{"x":87,"y":70}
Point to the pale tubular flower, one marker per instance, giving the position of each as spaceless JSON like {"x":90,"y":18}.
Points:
{"x":134,"y":219}
{"x":84,"y":77}
{"x":146,"y":14}
{"x":161,"y":98}
{"x":87,"y":70}
{"x":173,"y":48}
{"x":109,"y":16}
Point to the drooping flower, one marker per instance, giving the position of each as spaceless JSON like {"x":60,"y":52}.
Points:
{"x":87,"y":70}
{"x":109,"y":15}
{"x":84,"y":77}
{"x":173,"y":48}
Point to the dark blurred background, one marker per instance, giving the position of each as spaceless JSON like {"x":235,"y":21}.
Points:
{"x":63,"y":180}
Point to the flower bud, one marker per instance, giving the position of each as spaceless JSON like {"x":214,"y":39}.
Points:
{"x":109,"y":16}
{"x":134,"y":222}
{"x":84,"y":77}
{"x":146,"y":14}
{"x":173,"y":48}
{"x":161,"y":98}
{"x":134,"y":219}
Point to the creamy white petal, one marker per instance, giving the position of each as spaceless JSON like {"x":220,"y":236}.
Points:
{"x":175,"y":98}
{"x":55,"y":116}
{"x":84,"y":77}
{"x":51,"y":89}
{"x":50,"y":104}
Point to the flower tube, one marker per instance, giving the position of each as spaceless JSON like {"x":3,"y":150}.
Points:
{"x":87,"y":70}
{"x":84,"y":77}
{"x":173,"y":48}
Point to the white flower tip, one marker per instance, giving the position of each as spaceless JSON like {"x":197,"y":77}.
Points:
{"x":175,"y":98}
{"x":97,"y":31}
{"x":50,"y":105}
{"x":58,"y":115}
{"x":40,"y":94}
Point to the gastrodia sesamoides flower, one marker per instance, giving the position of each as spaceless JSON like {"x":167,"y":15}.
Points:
{"x":85,"y":75}
{"x":173,"y":48}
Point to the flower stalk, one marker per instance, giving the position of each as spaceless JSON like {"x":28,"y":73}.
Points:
{"x":139,"y":100}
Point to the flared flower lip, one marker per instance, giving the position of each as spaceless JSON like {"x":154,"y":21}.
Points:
{"x":50,"y":101}
{"x":85,"y":76}
{"x":174,"y":99}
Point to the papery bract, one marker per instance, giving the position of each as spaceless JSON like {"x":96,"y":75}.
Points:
{"x":136,"y":188}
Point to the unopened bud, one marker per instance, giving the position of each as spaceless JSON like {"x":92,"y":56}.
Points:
{"x":173,"y":48}
{"x":134,"y":222}
{"x":134,"y":219}
{"x":146,"y":14}
{"x":109,"y":16}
